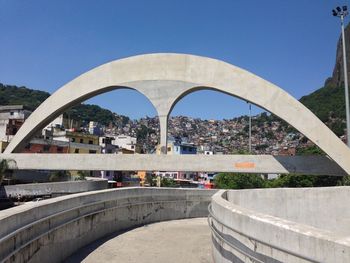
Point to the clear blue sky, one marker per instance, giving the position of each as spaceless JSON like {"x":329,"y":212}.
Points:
{"x":44,"y":44}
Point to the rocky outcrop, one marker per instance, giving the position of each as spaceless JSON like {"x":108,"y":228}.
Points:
{"x":337,"y":78}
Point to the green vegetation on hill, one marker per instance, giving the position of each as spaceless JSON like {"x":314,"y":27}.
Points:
{"x":328,"y":104}
{"x":31,"y":99}
{"x":13,"y":95}
{"x":88,"y":112}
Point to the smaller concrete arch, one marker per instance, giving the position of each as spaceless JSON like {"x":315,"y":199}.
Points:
{"x":80,"y":99}
{"x":202,"y":88}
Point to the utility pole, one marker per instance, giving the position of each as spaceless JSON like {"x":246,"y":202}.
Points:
{"x":250,"y":127}
{"x":342,"y":12}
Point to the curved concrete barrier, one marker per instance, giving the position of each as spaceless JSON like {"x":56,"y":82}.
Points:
{"x":281,"y":225}
{"x":55,"y":189}
{"x":51,"y":230}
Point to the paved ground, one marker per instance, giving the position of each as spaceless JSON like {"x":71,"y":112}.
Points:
{"x":182,"y":241}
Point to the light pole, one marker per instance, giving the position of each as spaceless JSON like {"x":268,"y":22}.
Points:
{"x":250,"y":127}
{"x":342,"y":12}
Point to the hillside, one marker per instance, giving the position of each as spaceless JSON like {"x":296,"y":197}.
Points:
{"x":31,"y":99}
{"x":12,"y":95}
{"x":328,"y":102}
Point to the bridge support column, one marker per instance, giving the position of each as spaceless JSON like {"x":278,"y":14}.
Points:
{"x":163,"y":123}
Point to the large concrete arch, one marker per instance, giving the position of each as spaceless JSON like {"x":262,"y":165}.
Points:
{"x":165,"y":78}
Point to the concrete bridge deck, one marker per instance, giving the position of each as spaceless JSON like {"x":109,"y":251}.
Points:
{"x":317,"y":165}
{"x":186,"y":240}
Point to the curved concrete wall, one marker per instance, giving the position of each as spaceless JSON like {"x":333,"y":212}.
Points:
{"x":57,"y":188}
{"x":281,"y":225}
{"x":51,"y":230}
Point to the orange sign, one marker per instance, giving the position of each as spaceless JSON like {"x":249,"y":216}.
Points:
{"x":245,"y":165}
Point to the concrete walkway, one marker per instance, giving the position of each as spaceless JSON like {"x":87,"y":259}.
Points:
{"x":186,"y":240}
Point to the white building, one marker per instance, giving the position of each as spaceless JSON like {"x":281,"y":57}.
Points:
{"x":64,"y":123}
{"x":125,"y":142}
{"x":11,"y":119}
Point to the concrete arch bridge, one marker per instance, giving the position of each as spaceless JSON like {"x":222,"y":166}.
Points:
{"x":164,"y":79}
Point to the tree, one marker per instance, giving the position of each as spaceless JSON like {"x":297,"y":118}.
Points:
{"x":4,"y":167}
{"x":299,"y":180}
{"x":150,"y":180}
{"x":168,"y":182}
{"x":310,"y":150}
{"x":81,"y":175}
{"x":344,"y":181}
{"x":238,"y":181}
{"x":291,"y":180}
{"x":59,"y":176}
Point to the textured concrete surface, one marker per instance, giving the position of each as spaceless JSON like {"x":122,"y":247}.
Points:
{"x":53,"y":229}
{"x":186,"y":240}
{"x":318,"y":165}
{"x":166,"y":78}
{"x":40,"y":189}
{"x":282,"y":225}
{"x":303,"y":205}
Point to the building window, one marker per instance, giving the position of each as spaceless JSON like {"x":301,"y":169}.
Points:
{"x":11,"y":113}
{"x":132,"y":146}
{"x":27,"y":147}
{"x":73,"y":139}
{"x":169,"y":149}
{"x":59,"y":149}
{"x":81,"y":140}
{"x":90,"y":142}
{"x":92,"y":151}
{"x":103,"y":140}
{"x":76,"y":151}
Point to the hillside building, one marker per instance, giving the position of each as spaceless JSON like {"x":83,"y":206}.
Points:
{"x":125,"y":143}
{"x":11,"y":119}
{"x":176,"y":146}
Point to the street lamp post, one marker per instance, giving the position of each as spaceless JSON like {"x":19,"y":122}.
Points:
{"x":250,"y":127}
{"x":342,"y":12}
